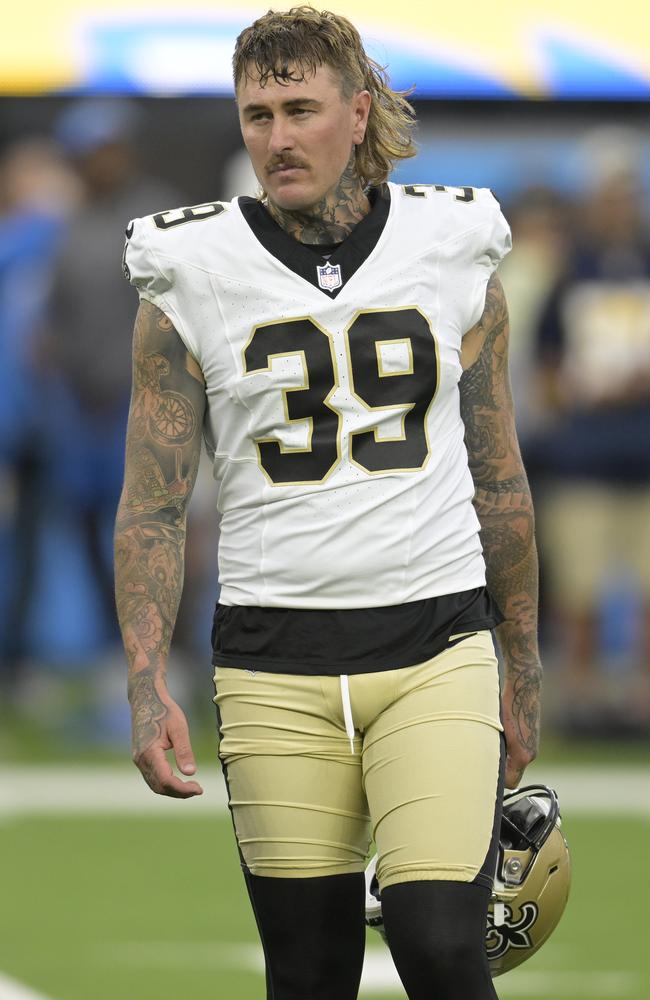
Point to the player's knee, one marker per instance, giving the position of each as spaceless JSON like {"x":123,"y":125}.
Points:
{"x":298,"y":979}
{"x":447,"y":957}
{"x":436,"y":933}
{"x":439,"y":948}
{"x":331,"y":971}
{"x":313,"y":934}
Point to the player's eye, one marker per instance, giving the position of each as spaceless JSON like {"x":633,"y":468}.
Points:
{"x":302,"y":112}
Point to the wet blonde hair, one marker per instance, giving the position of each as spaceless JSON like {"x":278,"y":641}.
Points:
{"x":291,"y":45}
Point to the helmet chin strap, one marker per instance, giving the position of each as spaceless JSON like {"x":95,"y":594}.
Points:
{"x":498,"y":906}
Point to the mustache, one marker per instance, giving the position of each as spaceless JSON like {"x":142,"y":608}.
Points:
{"x":285,"y":161}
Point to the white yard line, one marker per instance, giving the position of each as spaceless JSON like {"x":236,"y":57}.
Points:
{"x":11,"y":989}
{"x":181,"y":955}
{"x":27,"y":790}
{"x":37,"y":790}
{"x":379,"y":974}
{"x":568,"y":984}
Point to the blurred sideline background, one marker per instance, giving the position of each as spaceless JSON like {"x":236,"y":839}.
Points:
{"x":108,"y":113}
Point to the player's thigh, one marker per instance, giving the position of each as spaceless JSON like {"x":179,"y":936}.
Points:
{"x":295,"y":789}
{"x":433,"y":768}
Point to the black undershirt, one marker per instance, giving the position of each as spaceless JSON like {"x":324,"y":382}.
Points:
{"x":354,"y":641}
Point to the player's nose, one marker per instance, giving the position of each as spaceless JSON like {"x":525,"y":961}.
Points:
{"x":280,"y":136}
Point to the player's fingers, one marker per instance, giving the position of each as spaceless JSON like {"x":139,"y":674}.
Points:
{"x":180,"y":740}
{"x":177,"y":789}
{"x":156,"y":771}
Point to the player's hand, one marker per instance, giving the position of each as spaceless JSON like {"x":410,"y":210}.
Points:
{"x":158,"y":727}
{"x":521,"y":730}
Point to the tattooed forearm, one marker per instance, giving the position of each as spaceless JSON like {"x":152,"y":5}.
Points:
{"x":331,"y":219}
{"x":504,"y":507}
{"x":162,"y":453}
{"x":147,"y":708}
{"x":149,"y":579}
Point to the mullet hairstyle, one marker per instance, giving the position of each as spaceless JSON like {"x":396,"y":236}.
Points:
{"x":289,"y":46}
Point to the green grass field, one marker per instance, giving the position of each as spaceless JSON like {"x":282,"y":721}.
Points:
{"x":144,"y":907}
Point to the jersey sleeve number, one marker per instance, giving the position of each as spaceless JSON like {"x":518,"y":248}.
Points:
{"x":466,"y":194}
{"x":195,"y":213}
{"x":393,"y":367}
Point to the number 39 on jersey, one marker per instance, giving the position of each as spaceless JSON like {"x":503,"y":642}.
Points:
{"x":392,"y":369}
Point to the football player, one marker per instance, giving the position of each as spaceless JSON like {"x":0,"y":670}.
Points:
{"x":342,"y":342}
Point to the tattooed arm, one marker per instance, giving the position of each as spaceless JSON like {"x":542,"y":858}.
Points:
{"x":162,"y":453}
{"x":504,"y":507}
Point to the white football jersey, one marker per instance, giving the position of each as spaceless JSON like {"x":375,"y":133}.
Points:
{"x":333,"y":406}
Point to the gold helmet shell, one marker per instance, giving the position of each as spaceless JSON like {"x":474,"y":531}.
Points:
{"x":532,"y":880}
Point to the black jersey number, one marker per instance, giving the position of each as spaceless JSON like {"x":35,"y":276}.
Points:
{"x":393,"y":366}
{"x":313,"y":346}
{"x":412,"y":383}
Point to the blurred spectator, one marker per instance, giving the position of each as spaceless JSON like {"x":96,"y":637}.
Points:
{"x":37,"y":192}
{"x":539,"y":230}
{"x":91,"y":313}
{"x":594,"y":349}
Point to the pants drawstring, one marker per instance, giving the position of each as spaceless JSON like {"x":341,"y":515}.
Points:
{"x":347,"y":710}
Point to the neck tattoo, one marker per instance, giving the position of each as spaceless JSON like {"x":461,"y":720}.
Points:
{"x":332,"y":218}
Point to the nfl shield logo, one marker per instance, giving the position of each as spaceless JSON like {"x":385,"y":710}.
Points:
{"x":329,"y":276}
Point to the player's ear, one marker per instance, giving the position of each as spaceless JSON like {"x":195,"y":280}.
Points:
{"x":361,"y":109}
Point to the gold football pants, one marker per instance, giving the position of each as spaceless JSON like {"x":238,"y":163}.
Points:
{"x":316,"y":766}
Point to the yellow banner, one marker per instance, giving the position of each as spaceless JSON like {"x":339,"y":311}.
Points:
{"x":562,"y":48}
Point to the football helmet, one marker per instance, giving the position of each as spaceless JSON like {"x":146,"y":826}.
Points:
{"x":531,"y":884}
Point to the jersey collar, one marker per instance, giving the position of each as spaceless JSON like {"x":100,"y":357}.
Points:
{"x":299,"y":258}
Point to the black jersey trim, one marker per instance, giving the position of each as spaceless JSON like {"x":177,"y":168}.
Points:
{"x":324,"y":250}
{"x":355,"y":641}
{"x":485,"y":876}
{"x":299,"y":258}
